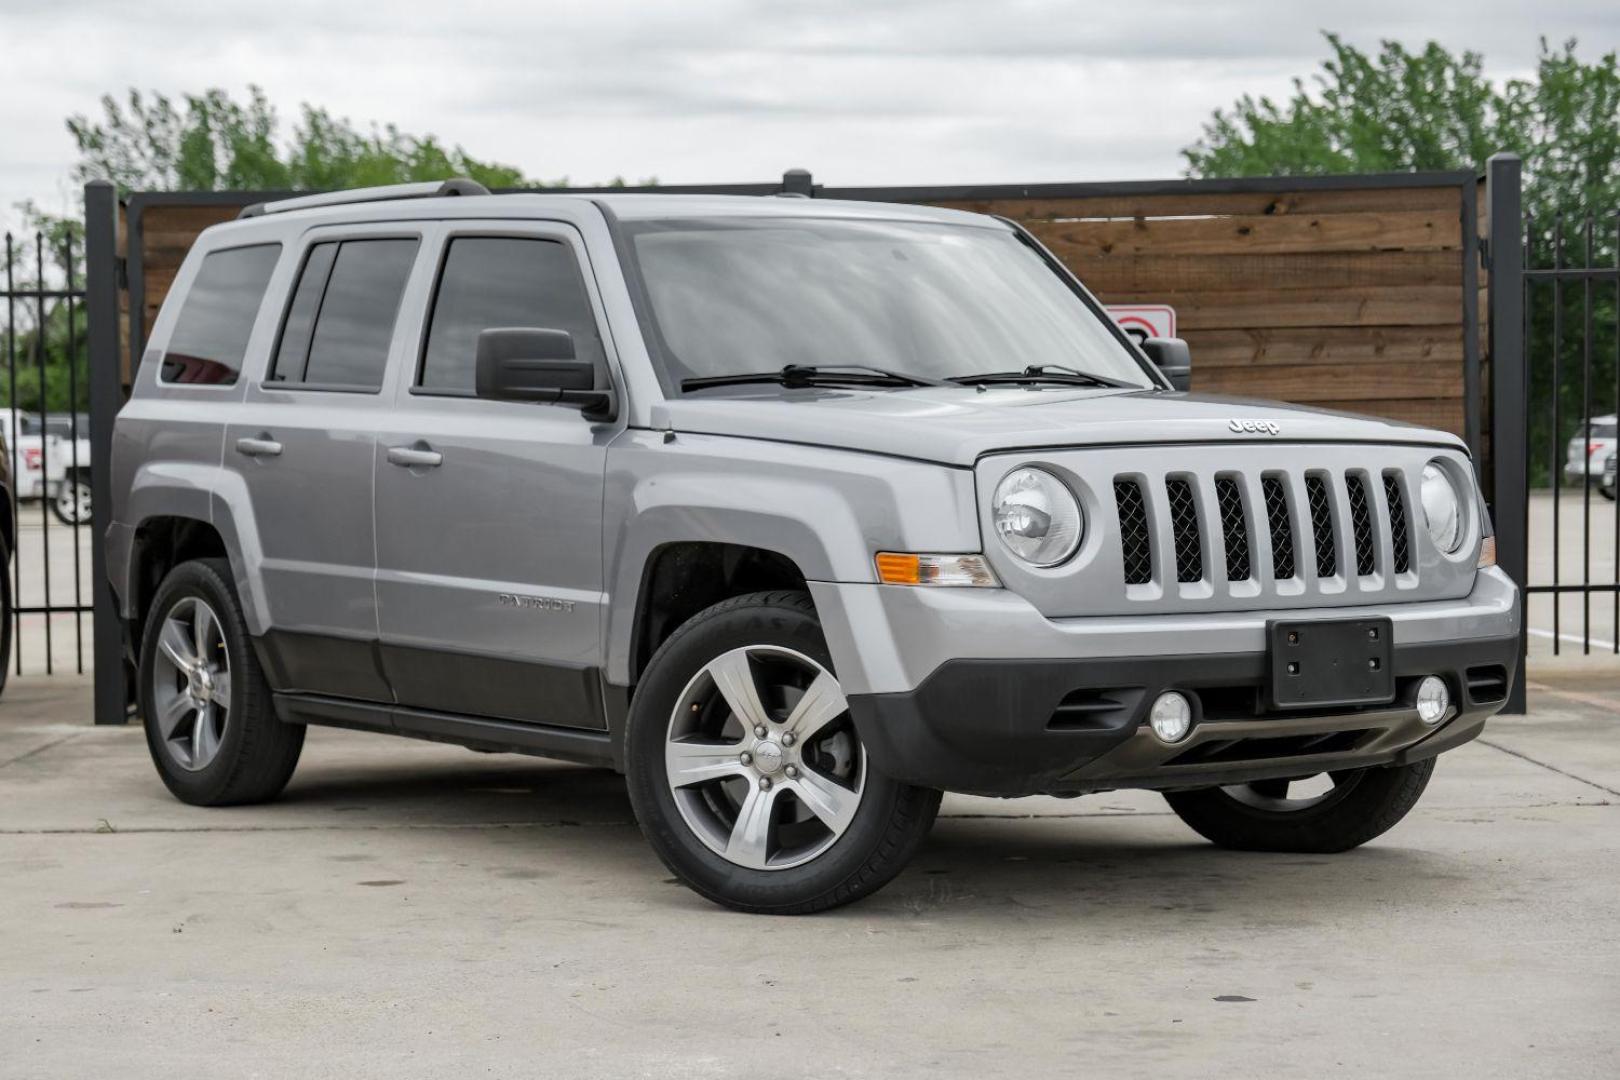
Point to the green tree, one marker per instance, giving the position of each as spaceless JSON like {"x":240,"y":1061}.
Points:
{"x":199,"y":142}
{"x":1397,"y":110}
{"x":212,"y":142}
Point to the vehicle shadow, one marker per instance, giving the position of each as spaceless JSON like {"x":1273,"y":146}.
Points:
{"x":1135,"y":870}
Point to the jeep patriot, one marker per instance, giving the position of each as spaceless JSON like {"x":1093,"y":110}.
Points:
{"x":796,"y":512}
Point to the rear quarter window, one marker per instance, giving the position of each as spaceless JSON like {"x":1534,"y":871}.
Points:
{"x":216,"y":318}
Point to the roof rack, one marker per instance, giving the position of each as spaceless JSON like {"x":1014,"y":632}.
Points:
{"x":429,"y":189}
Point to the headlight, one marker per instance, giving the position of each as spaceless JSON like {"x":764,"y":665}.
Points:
{"x":1037,"y":517}
{"x":1442,"y":508}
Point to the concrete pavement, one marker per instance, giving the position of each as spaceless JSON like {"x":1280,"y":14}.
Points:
{"x":415,"y":910}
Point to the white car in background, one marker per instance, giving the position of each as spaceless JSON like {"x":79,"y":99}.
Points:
{"x":1607,"y":485}
{"x":47,"y":462}
{"x":1589,"y":449}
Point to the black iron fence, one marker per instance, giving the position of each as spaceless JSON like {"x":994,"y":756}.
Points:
{"x":49,"y":508}
{"x":1572,"y":340}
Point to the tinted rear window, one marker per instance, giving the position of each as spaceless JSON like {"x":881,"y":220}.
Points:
{"x":211,"y":335}
{"x":341,"y":320}
{"x":1603,"y":431}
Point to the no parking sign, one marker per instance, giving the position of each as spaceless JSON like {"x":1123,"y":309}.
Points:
{"x":1143,"y":321}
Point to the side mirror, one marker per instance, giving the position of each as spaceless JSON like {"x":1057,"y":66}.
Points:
{"x":1172,"y":357}
{"x":530,"y":364}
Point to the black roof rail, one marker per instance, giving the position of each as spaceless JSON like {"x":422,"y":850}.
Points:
{"x":429,"y":189}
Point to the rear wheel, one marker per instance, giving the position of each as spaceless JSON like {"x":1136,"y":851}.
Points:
{"x":210,"y":726}
{"x":1326,"y":813}
{"x":748,"y":776}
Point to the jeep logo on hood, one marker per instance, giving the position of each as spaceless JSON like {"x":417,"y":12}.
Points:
{"x":1255,"y":427}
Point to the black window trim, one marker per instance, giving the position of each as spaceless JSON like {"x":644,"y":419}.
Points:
{"x":238,"y":382}
{"x":557,"y":232}
{"x":315,"y":239}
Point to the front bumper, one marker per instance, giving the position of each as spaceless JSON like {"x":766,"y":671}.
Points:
{"x":976,"y":692}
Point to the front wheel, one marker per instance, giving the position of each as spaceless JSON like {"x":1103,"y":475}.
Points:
{"x":748,"y":776}
{"x":1322,"y":814}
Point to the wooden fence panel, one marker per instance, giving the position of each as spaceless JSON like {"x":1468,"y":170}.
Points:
{"x":1348,"y":297}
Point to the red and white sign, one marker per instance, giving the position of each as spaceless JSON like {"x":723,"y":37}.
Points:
{"x":1143,"y":321}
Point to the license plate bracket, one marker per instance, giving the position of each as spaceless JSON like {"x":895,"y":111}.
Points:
{"x":1331,"y":663}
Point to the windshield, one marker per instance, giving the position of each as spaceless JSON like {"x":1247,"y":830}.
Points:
{"x":739,"y":296}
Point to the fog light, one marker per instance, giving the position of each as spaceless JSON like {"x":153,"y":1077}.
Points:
{"x":1171,"y":717}
{"x":1433,"y":699}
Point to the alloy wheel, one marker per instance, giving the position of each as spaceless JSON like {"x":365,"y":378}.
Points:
{"x":762,"y":758}
{"x":73,"y":502}
{"x":191,"y":683}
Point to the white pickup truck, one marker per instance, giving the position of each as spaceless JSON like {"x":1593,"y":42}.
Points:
{"x":48,"y":463}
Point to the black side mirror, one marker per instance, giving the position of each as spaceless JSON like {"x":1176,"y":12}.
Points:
{"x":1171,"y":356}
{"x":529,"y":364}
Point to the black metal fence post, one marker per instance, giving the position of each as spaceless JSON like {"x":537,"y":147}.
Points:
{"x":1510,"y":385}
{"x":106,"y":395}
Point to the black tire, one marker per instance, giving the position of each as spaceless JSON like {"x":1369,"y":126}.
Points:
{"x":1369,"y":805}
{"x":256,"y":752}
{"x":8,"y":617}
{"x":886,"y":829}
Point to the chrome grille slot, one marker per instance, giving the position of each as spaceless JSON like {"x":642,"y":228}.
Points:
{"x":1361,"y":521}
{"x":1234,"y":529}
{"x":1136,"y":544}
{"x":1397,"y":522}
{"x":1184,"y":522}
{"x":1327,"y":549}
{"x":1281,"y":528}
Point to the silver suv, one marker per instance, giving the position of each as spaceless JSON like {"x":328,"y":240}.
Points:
{"x":795,"y":512}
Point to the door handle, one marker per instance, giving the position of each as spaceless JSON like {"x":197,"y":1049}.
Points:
{"x":263,"y":446}
{"x":415,"y":457}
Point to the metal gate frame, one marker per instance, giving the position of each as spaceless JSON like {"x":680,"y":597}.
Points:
{"x":69,"y":295}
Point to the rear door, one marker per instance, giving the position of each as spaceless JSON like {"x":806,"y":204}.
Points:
{"x":489,"y":513}
{"x":302,"y":443}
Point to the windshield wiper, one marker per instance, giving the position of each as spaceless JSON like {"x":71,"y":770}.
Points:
{"x":1045,"y":373}
{"x":799,"y":375}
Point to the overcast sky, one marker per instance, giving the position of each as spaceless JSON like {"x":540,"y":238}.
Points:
{"x":858,"y":91}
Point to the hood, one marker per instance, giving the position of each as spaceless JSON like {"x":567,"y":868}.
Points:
{"x":957,"y":426}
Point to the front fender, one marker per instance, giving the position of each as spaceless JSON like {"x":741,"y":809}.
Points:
{"x":826,"y":510}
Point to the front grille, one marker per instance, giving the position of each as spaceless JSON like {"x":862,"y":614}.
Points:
{"x":1327,"y":552}
{"x":1281,"y":527}
{"x":1234,"y":529}
{"x":1361,"y":522}
{"x":1184,"y":523}
{"x":1397,"y":522}
{"x":1135,"y":543}
{"x":1295,"y":514}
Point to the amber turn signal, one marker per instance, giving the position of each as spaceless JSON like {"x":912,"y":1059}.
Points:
{"x":905,"y":568}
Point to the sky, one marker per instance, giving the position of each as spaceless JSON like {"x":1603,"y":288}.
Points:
{"x":858,"y":91}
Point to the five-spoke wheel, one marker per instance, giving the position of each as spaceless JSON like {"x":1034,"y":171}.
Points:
{"x":747,"y":771}
{"x":210,"y":725}
{"x":192,"y":683}
{"x":762,"y":760}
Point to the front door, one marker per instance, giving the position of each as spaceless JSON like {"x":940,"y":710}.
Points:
{"x":302,"y":443}
{"x":489,"y":513}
